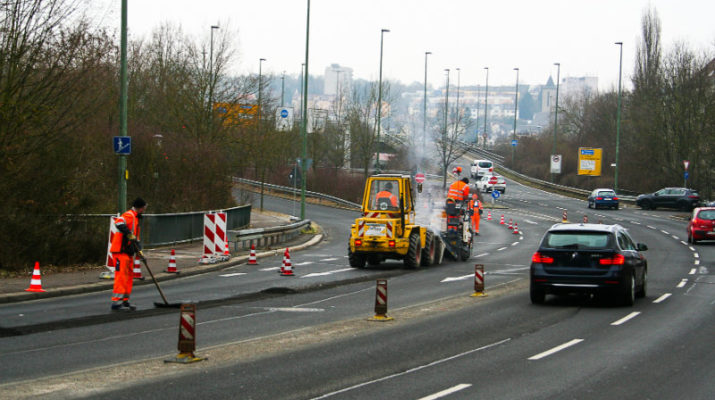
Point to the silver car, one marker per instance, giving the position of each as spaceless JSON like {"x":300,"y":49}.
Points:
{"x":488,"y":183}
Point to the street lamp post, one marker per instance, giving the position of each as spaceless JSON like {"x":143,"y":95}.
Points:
{"x":305,"y":115}
{"x":556,"y":111}
{"x":211,"y":67}
{"x":123,"y":88}
{"x":444,"y":132}
{"x":618,"y":115}
{"x":283,"y":85}
{"x":258,"y":124}
{"x":379,"y":103}
{"x":516,"y":109}
{"x":486,"y":94}
{"x":456,"y":118}
{"x":424,"y":112}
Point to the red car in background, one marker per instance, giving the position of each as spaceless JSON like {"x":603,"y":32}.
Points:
{"x":702,"y":224}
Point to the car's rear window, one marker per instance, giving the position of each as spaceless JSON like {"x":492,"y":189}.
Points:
{"x":707,"y":214}
{"x":693,"y":193}
{"x":577,"y":240}
{"x":485,"y":164}
{"x":607,"y":193}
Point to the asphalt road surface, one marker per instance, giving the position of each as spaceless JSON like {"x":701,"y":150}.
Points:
{"x":308,"y":336}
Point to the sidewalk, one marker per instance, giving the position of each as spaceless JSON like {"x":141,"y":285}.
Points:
{"x":187,"y":263}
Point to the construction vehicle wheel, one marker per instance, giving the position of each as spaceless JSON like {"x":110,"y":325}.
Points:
{"x":414,"y":252}
{"x":466,"y":252}
{"x":429,"y":251}
{"x":357,"y":260}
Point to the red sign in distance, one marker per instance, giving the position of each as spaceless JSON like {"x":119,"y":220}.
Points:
{"x":420,"y":178}
{"x":493,"y":180}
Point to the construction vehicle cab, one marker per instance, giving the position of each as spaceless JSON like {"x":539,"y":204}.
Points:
{"x":387,"y":228}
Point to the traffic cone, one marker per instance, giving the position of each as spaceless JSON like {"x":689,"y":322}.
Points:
{"x":252,"y":256}
{"x":564,"y":217}
{"x":489,"y":215}
{"x":510,"y":227}
{"x":502,"y":220}
{"x":36,"y":281}
{"x":516,"y":229}
{"x":287,"y":267}
{"x":226,"y":253}
{"x":283,"y":263}
{"x":172,"y":263}
{"x":137,"y":269}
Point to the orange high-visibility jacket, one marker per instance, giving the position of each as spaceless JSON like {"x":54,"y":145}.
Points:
{"x":387,"y":195}
{"x":131,"y":222}
{"x":458,"y":191}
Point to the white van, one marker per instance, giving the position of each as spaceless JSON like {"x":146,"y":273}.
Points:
{"x":481,"y":168}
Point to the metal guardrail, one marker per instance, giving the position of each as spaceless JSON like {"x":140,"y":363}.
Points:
{"x":287,"y":189}
{"x":263,"y":237}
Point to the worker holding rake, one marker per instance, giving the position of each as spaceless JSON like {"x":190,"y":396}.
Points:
{"x":125,"y":245}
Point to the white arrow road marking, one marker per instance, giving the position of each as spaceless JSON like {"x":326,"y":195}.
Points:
{"x":661,"y":298}
{"x":234,"y":274}
{"x":555,"y":349}
{"x":457,"y":278}
{"x":509,"y":271}
{"x":447,"y":392}
{"x":326,"y":273}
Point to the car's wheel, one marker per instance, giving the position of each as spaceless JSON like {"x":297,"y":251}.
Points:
{"x":647,"y":205}
{"x":644,"y":285}
{"x":439,"y":251}
{"x":356,"y":260}
{"x":628,"y":295}
{"x":465,"y":252}
{"x":588,"y":204}
{"x":414,"y":252}
{"x":684,"y":206}
{"x":691,"y":239}
{"x":429,"y":251}
{"x":537,"y":295}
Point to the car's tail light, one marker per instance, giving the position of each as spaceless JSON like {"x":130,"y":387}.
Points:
{"x":615,"y":198}
{"x":542,"y":259}
{"x":617,"y":259}
{"x":599,"y":198}
{"x":358,"y":242}
{"x":693,"y":197}
{"x":391,"y":243}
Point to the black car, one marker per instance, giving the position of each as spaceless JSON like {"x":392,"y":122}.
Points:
{"x":589,"y":258}
{"x":673,"y":197}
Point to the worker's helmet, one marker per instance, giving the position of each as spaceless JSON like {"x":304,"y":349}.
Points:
{"x":388,"y":186}
{"x":474,"y":196}
{"x":459,"y":169}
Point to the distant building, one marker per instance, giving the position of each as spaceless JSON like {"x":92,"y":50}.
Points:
{"x":577,"y":86}
{"x":337,"y":78}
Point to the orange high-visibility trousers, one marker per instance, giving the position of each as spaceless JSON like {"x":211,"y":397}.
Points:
{"x":123,"y":277}
{"x":476,"y":218}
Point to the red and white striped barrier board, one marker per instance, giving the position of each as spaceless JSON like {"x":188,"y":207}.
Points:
{"x":478,"y":280}
{"x":187,"y":335}
{"x":381,"y":301}
{"x":111,"y":262}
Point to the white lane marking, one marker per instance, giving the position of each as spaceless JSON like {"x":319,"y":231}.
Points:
{"x":528,"y":221}
{"x":661,"y":298}
{"x":456,"y":278}
{"x":556,"y":349}
{"x":270,"y":269}
{"x":304,"y":263}
{"x":666,"y":232}
{"x":696,"y":255}
{"x":409,"y":371}
{"x":675,"y":237}
{"x":696,"y":262}
{"x":515,"y":243}
{"x":234,"y":274}
{"x":326,"y":273}
{"x":626,"y":318}
{"x":501,"y":248}
{"x":652,"y":227}
{"x":682,"y":283}
{"x":692,"y":271}
{"x":446,"y":392}
{"x":635,"y":222}
{"x":683,"y":242}
{"x":330,"y":259}
{"x":691,"y":248}
{"x":482,"y":255}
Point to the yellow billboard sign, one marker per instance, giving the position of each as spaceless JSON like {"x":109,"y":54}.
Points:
{"x":236,"y":114}
{"x":589,"y":161}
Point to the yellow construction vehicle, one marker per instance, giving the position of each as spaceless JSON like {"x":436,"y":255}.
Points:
{"x":387,"y":228}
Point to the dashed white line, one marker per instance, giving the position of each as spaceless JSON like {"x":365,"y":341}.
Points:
{"x":696,"y":262}
{"x":683,"y":242}
{"x":626,"y":318}
{"x":234,"y":274}
{"x":675,"y":237}
{"x":330,"y":259}
{"x":555,"y":349}
{"x":304,"y":263}
{"x":446,"y":392}
{"x":682,"y":283}
{"x":501,"y":248}
{"x":652,"y":227}
{"x":665,"y":232}
{"x":696,"y":255}
{"x":515,"y":243}
{"x":693,"y":271}
{"x":661,"y":298}
{"x":482,"y":255}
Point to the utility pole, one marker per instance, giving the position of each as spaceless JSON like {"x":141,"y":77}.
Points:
{"x":305,"y":115}
{"x":122,"y":198}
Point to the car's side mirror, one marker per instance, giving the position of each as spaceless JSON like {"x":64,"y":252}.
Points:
{"x":642,"y":247}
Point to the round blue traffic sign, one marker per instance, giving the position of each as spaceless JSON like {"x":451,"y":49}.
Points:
{"x":495,"y":194}
{"x":284,"y":113}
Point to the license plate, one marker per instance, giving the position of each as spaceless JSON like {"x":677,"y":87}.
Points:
{"x":375,"y":230}
{"x":607,"y":199}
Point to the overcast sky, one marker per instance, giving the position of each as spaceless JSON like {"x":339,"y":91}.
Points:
{"x":465,"y":34}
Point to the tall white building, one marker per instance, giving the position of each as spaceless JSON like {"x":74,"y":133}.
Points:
{"x":337,"y":78}
{"x":577,"y":86}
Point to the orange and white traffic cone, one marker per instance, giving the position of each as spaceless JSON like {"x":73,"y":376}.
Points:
{"x":510,"y":227}
{"x":283,"y":263}
{"x":252,"y":256}
{"x":287,"y":266}
{"x":137,"y":269}
{"x":172,"y":263}
{"x":564,"y":217}
{"x":502,"y":220}
{"x":489,"y":215}
{"x":36,"y":281}
{"x":516,"y":229}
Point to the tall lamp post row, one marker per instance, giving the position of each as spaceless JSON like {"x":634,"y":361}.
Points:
{"x":379,"y":103}
{"x":556,"y":111}
{"x":618,"y":115}
{"x":516,"y":109}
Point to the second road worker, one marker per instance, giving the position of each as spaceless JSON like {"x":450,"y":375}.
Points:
{"x":125,"y":244}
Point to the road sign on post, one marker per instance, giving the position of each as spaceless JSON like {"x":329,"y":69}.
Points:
{"x":420,"y":178}
{"x":123,"y":145}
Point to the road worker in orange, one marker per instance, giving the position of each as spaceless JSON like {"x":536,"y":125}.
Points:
{"x":125,"y":245}
{"x":476,"y":207}
{"x":387,"y":193}
{"x":459,"y":190}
